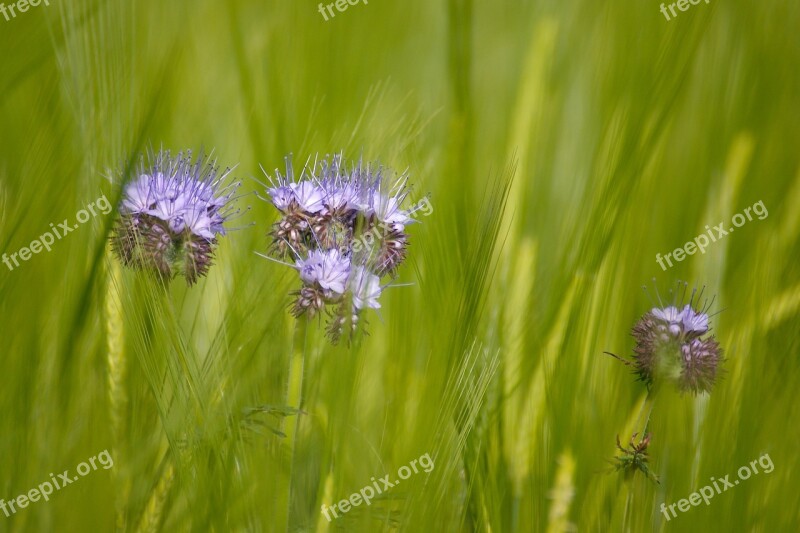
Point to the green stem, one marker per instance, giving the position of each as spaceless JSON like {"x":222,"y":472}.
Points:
{"x":650,"y":398}
{"x":294,"y":398}
{"x":647,"y":420}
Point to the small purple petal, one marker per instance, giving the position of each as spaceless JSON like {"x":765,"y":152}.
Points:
{"x":669,"y":314}
{"x":309,"y":195}
{"x":281,"y":197}
{"x":694,"y":322}
{"x":366,"y":288}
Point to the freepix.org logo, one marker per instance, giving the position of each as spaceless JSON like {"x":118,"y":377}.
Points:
{"x":10,"y":11}
{"x":718,"y":486}
{"x":48,"y":239}
{"x":367,"y":493}
{"x":702,"y":241}
{"x":340,"y":5}
{"x":46,"y":489}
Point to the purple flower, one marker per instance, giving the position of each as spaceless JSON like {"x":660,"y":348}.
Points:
{"x":140,"y":195}
{"x":366,"y":288}
{"x":668,"y":314}
{"x":387,"y":210}
{"x":671,"y":317}
{"x":197,"y":219}
{"x":341,"y":197}
{"x":693,"y":323}
{"x":670,"y":347}
{"x":281,"y":196}
{"x":344,"y":229}
{"x":329,"y":269}
{"x":681,"y":324}
{"x":172,"y":214}
{"x":309,"y":196}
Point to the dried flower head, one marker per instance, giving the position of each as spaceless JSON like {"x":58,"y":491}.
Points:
{"x":171,"y":215}
{"x":635,"y":457}
{"x":669,"y":346}
{"x":344,"y":230}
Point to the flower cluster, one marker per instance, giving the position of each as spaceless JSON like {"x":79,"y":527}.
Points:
{"x":344,"y":230}
{"x":172,"y":214}
{"x":670,"y":345}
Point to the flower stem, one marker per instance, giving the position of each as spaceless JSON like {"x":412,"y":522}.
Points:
{"x":294,"y":398}
{"x":650,"y":398}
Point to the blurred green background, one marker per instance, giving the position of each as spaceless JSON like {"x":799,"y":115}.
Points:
{"x":563,"y":144}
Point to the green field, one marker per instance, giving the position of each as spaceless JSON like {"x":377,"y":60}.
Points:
{"x":562,"y":146}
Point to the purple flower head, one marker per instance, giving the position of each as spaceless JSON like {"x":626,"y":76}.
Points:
{"x":669,"y":346}
{"x":172,"y":214}
{"x":344,"y":229}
